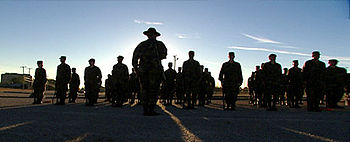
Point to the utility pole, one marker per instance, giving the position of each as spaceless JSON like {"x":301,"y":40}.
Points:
{"x":175,"y":59}
{"x":29,"y":70}
{"x":23,"y":68}
{"x":23,"y":76}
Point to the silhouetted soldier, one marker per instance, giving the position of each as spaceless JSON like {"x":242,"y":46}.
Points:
{"x":283,"y":87}
{"x":231,"y":79}
{"x":207,"y":86}
{"x":62,"y":79}
{"x":251,"y":89}
{"x":272,"y":71}
{"x":92,"y":78}
{"x":180,"y":88}
{"x":313,"y":74}
{"x":134,"y":86}
{"x":108,"y":88}
{"x":296,"y":89}
{"x":74,"y":86}
{"x":147,"y":62}
{"x":201,"y":91}
{"x":259,"y":86}
{"x":170,"y":86}
{"x":335,"y":83}
{"x":120,"y":78}
{"x":211,"y":88}
{"x":39,"y":83}
{"x":191,"y":73}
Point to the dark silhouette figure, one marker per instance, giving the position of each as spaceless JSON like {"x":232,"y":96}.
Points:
{"x":258,"y":85}
{"x":74,"y":86}
{"x":92,"y":78}
{"x":108,"y":88}
{"x":201,"y":92}
{"x":191,"y":74}
{"x":251,"y":89}
{"x":272,"y":72}
{"x":62,"y":79}
{"x":296,"y":89}
{"x":147,"y":63}
{"x":120,"y":78}
{"x":335,"y":84}
{"x":180,"y":88}
{"x":314,"y":76}
{"x":284,"y":86}
{"x":169,"y":84}
{"x":134,"y":86}
{"x":231,"y":79}
{"x":209,"y":85}
{"x":39,"y":83}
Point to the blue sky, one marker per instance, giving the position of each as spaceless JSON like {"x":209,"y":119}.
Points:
{"x":45,"y":30}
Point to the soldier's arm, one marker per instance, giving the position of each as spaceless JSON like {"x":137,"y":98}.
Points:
{"x":162,"y":50}
{"x":136,"y":56}
{"x":240,"y":76}
{"x":221,"y":73}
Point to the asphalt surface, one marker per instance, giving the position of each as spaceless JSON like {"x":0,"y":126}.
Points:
{"x":22,"y":121}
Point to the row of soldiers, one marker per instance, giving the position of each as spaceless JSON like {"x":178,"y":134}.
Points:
{"x":268,"y":86}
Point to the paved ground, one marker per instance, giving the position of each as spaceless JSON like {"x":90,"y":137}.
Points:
{"x":22,"y":121}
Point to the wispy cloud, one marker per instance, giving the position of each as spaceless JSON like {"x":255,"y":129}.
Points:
{"x":262,"y":39}
{"x":187,"y":36}
{"x":325,"y":57}
{"x":147,"y":22}
{"x":268,"y":50}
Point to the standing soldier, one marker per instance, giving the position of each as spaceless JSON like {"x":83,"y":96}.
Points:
{"x":231,"y":79}
{"x":191,"y":74}
{"x":211,"y":88}
{"x":207,"y":86}
{"x":147,"y":63}
{"x":134,"y":86}
{"x":92,"y":78}
{"x":108,"y":88}
{"x":296,"y":90}
{"x":120,"y":75}
{"x":62,"y":79}
{"x":258,"y":86}
{"x":201,"y":91}
{"x":273,"y":72}
{"x":73,"y":86}
{"x":180,"y":89}
{"x":170,"y":78}
{"x":39,"y":83}
{"x":252,"y":98}
{"x":283,"y":87}
{"x":335,"y":84}
{"x":313,"y":75}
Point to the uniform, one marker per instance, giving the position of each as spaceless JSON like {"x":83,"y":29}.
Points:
{"x":296,"y":90}
{"x":74,"y":87}
{"x":169,"y":85}
{"x":92,"y":78}
{"x":62,"y":79}
{"x":335,"y":83}
{"x":39,"y":85}
{"x":272,"y":73}
{"x":192,"y":74}
{"x":120,"y":78}
{"x":231,"y":79}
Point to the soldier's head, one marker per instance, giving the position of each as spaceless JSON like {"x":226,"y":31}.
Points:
{"x":257,"y":68}
{"x":231,"y":55}
{"x":191,"y":54}
{"x":40,"y":64}
{"x":332,"y":62}
{"x":92,"y":62}
{"x":206,"y":70}
{"x":63,"y":59}
{"x":285,"y":70}
{"x":201,"y":68}
{"x":295,"y":63}
{"x":272,"y":57}
{"x":179,"y":69}
{"x":170,"y":64}
{"x":151,"y":33}
{"x":74,"y":70}
{"x":120,"y":59}
{"x":316,"y":55}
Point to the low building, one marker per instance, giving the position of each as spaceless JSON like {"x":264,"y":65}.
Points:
{"x":15,"y":80}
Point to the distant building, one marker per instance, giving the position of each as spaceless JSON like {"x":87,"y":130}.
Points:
{"x":15,"y":80}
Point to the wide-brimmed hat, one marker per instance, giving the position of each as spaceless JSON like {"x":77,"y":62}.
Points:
{"x":92,"y":60}
{"x":151,"y":31}
{"x":121,"y":57}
